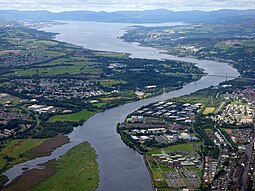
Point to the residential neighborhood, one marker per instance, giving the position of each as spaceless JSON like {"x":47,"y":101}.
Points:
{"x":13,"y":119}
{"x":57,"y":88}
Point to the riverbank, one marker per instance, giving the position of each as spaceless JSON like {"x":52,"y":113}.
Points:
{"x":76,"y":170}
{"x":166,"y":160}
{"x":141,"y":134}
{"x":100,"y":129}
{"x":47,"y":147}
{"x":236,"y":49}
{"x":28,"y":149}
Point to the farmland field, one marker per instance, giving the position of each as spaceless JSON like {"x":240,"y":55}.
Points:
{"x":74,"y":117}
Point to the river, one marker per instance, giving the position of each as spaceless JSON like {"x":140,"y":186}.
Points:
{"x":121,"y":168}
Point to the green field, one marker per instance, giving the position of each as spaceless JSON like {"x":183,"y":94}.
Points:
{"x":110,"y":83}
{"x":111,"y":54}
{"x":249,"y":43}
{"x":48,"y":42}
{"x":75,"y":68}
{"x":74,"y":117}
{"x":197,"y":170}
{"x":13,"y":153}
{"x":237,"y":102}
{"x":77,"y":170}
{"x":208,"y":110}
{"x":100,"y":104}
{"x":156,"y":172}
{"x":180,"y":147}
{"x":209,"y":130}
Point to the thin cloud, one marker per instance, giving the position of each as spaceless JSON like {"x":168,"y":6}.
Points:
{"x":112,"y":5}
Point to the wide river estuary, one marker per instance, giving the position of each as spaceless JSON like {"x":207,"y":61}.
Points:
{"x":121,"y":168}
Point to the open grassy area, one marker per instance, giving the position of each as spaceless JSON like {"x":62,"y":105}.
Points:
{"x":77,"y":170}
{"x":100,"y":104}
{"x":209,"y":130}
{"x":197,"y":170}
{"x":15,"y":151}
{"x":208,"y":110}
{"x":110,"y":98}
{"x":157,"y":174}
{"x":48,"y":42}
{"x":111,"y":54}
{"x":110,"y":83}
{"x":237,"y":102}
{"x":72,"y":69}
{"x":180,"y":147}
{"x":74,"y":117}
{"x":249,"y":43}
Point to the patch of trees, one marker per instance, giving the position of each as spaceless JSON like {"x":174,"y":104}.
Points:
{"x":203,"y":135}
{"x":13,"y":124}
{"x":50,"y":130}
{"x":199,"y":126}
{"x":211,"y":151}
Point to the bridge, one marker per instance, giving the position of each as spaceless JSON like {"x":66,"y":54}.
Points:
{"x":214,"y":75}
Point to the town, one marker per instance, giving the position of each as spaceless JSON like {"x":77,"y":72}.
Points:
{"x":235,"y":167}
{"x":13,"y":119}
{"x":56,"y":88}
{"x":162,"y":123}
{"x":63,"y":102}
{"x":168,"y":127}
{"x":169,"y":134}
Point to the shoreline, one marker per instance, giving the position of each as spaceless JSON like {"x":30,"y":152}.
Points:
{"x":149,"y":170}
{"x":43,"y":150}
{"x":153,"y":96}
{"x":30,"y":178}
{"x":47,"y":147}
{"x":49,"y":150}
{"x":34,"y":177}
{"x":164,"y":51}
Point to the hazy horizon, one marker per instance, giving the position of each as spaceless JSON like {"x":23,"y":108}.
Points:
{"x":122,"y":10}
{"x":125,"y":5}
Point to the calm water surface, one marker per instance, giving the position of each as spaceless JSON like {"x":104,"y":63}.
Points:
{"x":121,"y":168}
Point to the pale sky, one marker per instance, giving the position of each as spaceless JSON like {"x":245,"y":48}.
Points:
{"x":115,"y":5}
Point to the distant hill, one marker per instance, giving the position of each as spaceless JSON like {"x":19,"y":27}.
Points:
{"x":159,"y":15}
